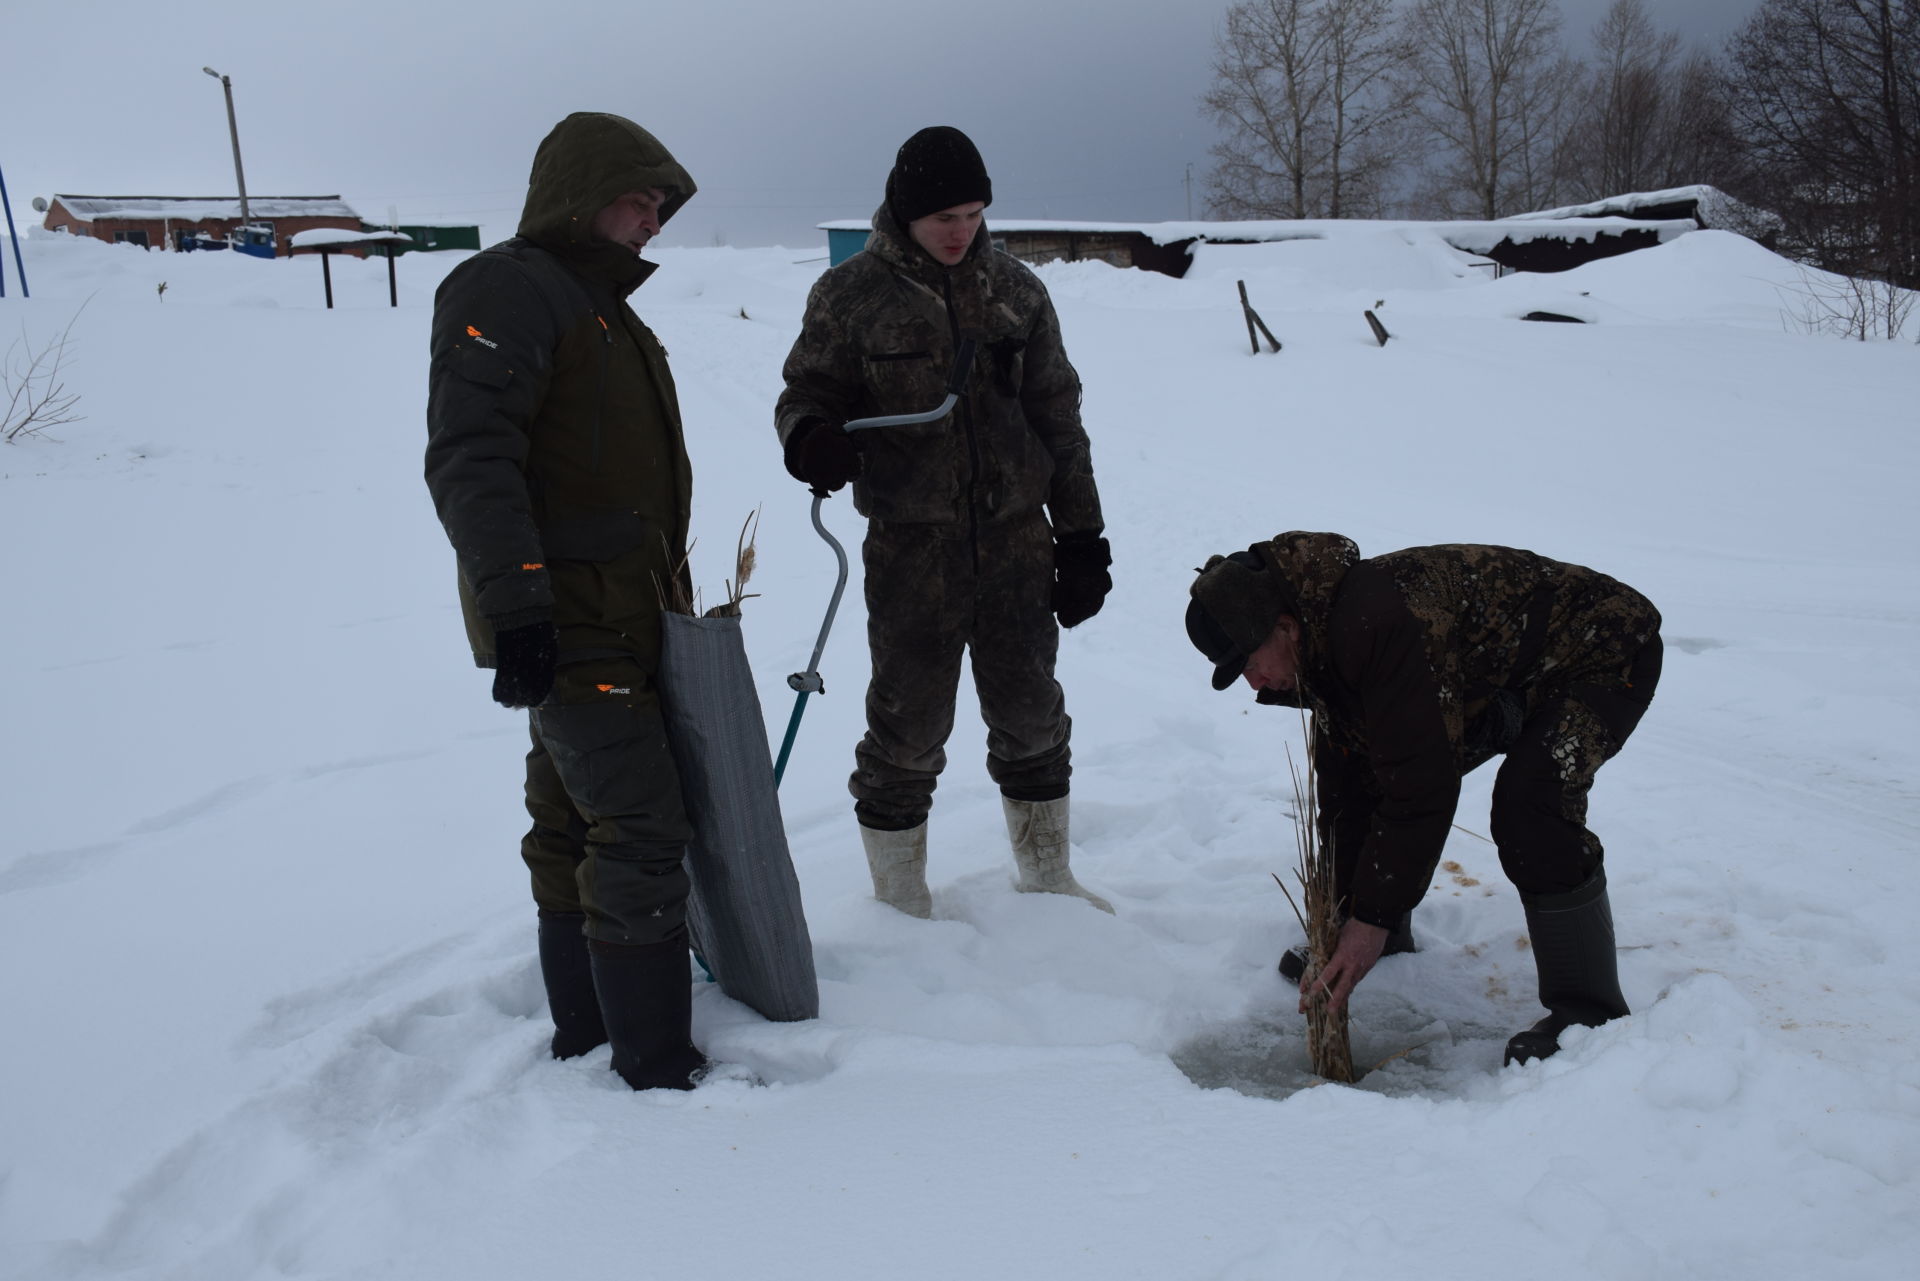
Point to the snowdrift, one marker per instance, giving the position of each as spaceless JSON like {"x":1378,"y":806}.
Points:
{"x":266,"y":955}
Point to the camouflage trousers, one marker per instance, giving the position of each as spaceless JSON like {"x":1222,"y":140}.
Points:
{"x":610,"y":829}
{"x":934,"y":593}
{"x":1539,"y":817}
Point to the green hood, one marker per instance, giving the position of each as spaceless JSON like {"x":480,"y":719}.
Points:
{"x":589,"y":160}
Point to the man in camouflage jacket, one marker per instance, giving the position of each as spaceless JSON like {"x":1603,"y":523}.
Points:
{"x":983,"y":527}
{"x":556,"y":462}
{"x":1419,"y":666}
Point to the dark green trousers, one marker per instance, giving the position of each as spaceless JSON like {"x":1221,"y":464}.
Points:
{"x":610,"y":829}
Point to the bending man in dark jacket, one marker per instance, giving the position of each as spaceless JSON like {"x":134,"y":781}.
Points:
{"x":983,"y":527}
{"x":1419,"y":666}
{"x":556,"y":462}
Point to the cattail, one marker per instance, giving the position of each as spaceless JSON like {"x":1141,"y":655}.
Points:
{"x":744,"y":553}
{"x":674,"y":592}
{"x":743,"y":562}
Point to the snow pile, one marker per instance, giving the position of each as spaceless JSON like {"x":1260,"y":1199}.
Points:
{"x":266,"y":955}
{"x":317,"y":237}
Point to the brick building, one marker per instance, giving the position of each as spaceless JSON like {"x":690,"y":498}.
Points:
{"x":180,"y":222}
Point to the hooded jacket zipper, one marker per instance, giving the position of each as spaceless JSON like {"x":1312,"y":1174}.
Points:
{"x":600,"y":401}
{"x":966,"y":424}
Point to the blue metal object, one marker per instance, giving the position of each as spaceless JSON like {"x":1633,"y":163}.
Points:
{"x":254,"y":241}
{"x":793,"y":728}
{"x":14,"y":236}
{"x":809,"y":682}
{"x":844,"y":242}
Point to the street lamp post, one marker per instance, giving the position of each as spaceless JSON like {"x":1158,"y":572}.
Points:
{"x":239,"y":174}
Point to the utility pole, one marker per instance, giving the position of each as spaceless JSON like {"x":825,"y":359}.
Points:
{"x":14,"y":236}
{"x":1189,"y":191}
{"x":239,"y":175}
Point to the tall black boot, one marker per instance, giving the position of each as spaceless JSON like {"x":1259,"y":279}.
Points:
{"x":568,"y":974}
{"x":1579,"y":971}
{"x":1293,"y":961}
{"x":646,"y":1002}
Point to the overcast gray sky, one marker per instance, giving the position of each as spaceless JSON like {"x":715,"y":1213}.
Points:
{"x":786,"y":114}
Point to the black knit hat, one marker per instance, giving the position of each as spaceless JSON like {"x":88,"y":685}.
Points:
{"x":1236,"y":601}
{"x":937,"y":168}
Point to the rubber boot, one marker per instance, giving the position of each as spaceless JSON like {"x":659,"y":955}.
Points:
{"x":1038,"y":831}
{"x":646,"y":1002}
{"x":1579,"y":972}
{"x":1293,"y":961}
{"x":898,"y":861}
{"x":568,"y":973}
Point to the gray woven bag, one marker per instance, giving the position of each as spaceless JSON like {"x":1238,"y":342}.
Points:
{"x":744,"y":912}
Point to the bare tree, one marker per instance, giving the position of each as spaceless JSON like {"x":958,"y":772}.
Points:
{"x":1825,"y":94}
{"x":1302,"y":90}
{"x":1267,"y":94}
{"x":1857,"y":307}
{"x":1490,"y":85}
{"x":33,"y":388}
{"x":1701,"y":142}
{"x":1542,"y":159}
{"x":1367,"y":105}
{"x":1648,"y":117}
{"x":1628,"y":126}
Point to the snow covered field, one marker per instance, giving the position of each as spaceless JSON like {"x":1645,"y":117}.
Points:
{"x":267,"y":976}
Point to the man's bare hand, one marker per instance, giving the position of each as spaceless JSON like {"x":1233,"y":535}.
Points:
{"x":1354,"y":955}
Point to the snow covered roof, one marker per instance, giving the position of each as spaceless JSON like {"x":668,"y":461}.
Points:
{"x":314,"y":237}
{"x":204,"y":208}
{"x":1714,"y":208}
{"x":1481,"y":237}
{"x":1472,"y":237}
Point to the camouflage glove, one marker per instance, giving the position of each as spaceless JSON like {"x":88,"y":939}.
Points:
{"x":524,"y":659}
{"x":821,"y":454}
{"x":1080,"y":578}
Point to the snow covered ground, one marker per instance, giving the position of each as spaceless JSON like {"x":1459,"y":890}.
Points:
{"x":267,"y":973}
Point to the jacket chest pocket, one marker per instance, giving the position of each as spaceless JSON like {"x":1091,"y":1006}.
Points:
{"x":1006,"y":362}
{"x":902,"y":382}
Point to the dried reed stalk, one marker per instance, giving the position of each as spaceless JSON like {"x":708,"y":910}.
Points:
{"x":674,"y":595}
{"x":1329,"y":1051}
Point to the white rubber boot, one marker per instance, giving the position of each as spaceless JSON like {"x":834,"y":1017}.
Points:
{"x":898,"y":861}
{"x":1038,"y":830}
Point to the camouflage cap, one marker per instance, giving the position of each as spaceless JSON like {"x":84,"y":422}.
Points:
{"x":1236,"y":601}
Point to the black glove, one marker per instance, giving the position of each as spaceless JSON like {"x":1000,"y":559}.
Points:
{"x":822,"y":454}
{"x":1080,"y":578}
{"x":524,"y":658}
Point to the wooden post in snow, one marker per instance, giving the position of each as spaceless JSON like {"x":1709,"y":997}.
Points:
{"x":1253,"y":320}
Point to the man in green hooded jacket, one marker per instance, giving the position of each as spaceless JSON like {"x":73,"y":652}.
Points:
{"x":557,"y":465}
